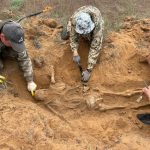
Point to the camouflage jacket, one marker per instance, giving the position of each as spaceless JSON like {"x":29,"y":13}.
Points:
{"x":22,"y":57}
{"x":95,"y":37}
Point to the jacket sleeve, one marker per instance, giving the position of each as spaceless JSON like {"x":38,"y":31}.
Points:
{"x":74,"y":40}
{"x":26,"y":65}
{"x":1,"y":47}
{"x":96,"y":45}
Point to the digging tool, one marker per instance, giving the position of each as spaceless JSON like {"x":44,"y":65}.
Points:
{"x":33,"y":93}
{"x":141,"y":95}
{"x":80,"y":67}
{"x":2,"y":78}
{"x":3,"y":82}
{"x":145,"y":118}
{"x":46,"y":9}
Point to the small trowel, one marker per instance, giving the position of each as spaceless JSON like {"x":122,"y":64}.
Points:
{"x":141,"y":95}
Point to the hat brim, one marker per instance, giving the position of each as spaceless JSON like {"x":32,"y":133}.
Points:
{"x":18,"y":47}
{"x":85,"y":31}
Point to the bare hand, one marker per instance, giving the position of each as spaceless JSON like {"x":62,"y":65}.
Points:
{"x":148,"y":59}
{"x":146,"y":91}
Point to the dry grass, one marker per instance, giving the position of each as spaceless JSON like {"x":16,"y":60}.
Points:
{"x":112,"y":11}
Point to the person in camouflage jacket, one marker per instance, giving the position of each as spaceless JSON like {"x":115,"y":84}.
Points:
{"x":12,"y":44}
{"x":86,"y":22}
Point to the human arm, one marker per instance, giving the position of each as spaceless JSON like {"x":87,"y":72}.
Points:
{"x":26,"y":66}
{"x":95,"y":48}
{"x":74,"y":42}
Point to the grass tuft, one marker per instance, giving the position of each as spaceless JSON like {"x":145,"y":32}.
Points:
{"x":16,"y":4}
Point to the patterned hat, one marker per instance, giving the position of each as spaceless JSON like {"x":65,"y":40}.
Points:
{"x":84,"y":23}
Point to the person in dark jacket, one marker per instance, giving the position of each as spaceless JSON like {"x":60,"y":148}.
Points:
{"x":12,"y":44}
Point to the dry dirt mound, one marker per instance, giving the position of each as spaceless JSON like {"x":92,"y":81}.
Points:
{"x":68,"y":115}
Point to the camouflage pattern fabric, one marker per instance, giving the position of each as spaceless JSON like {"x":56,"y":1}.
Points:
{"x":95,"y":37}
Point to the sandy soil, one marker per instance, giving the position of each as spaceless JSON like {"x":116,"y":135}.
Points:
{"x":67,"y":115}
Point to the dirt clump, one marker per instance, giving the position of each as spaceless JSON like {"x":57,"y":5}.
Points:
{"x":38,"y":62}
{"x":49,"y":22}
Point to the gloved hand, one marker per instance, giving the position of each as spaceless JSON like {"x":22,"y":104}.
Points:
{"x":86,"y":75}
{"x":31,"y":87}
{"x":76,"y":59}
